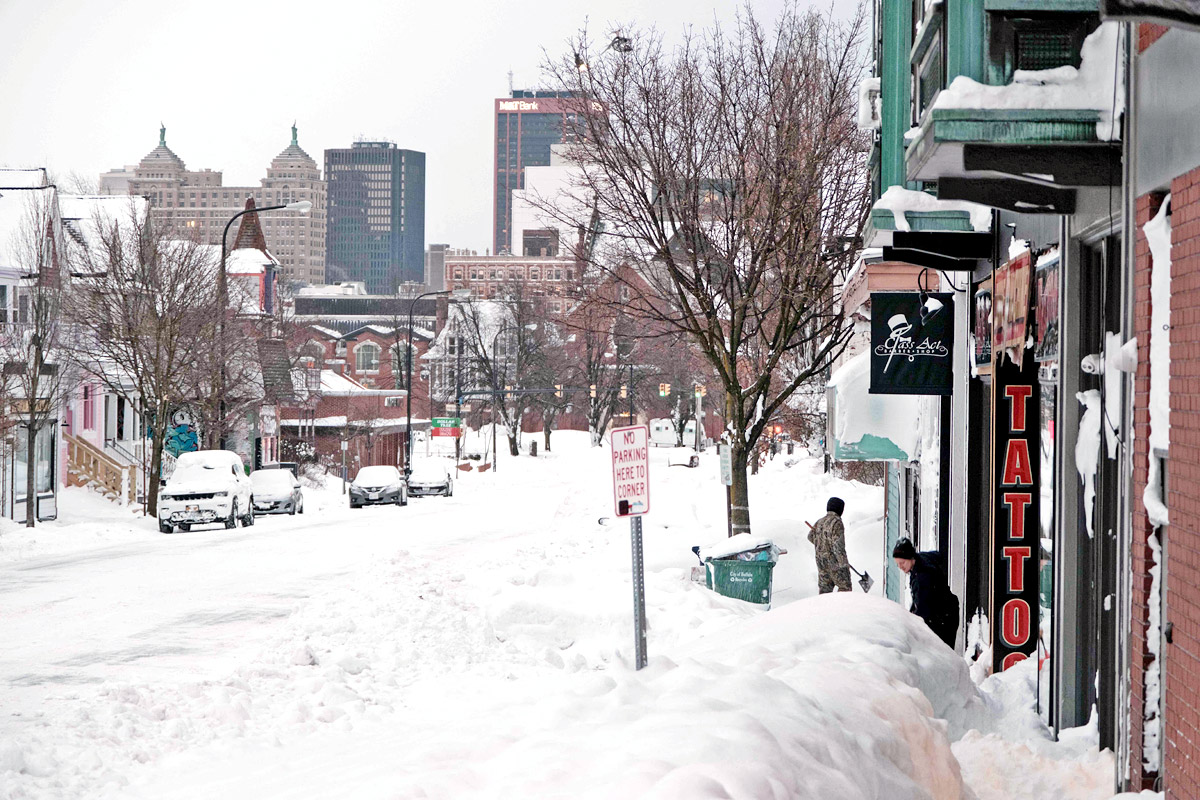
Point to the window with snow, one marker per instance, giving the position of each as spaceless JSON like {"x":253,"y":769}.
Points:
{"x":366,"y":357}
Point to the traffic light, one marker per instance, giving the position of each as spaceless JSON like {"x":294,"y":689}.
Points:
{"x":592,"y":390}
{"x":558,"y":392}
{"x":664,"y":389}
{"x":624,"y":393}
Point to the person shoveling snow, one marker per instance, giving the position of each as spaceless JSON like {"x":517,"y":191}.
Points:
{"x":829,"y":538}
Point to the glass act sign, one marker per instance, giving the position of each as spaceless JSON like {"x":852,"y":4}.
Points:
{"x":631,"y":470}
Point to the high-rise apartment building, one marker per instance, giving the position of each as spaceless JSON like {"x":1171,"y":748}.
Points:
{"x":196,"y":202}
{"x":376,"y":215}
{"x":528,"y":124}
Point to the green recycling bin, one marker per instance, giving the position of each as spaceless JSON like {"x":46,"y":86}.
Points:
{"x":743,"y":580}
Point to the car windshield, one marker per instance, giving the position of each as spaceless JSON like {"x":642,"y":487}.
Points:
{"x":377,"y":476}
{"x":271,"y":480}
{"x":428,"y":471}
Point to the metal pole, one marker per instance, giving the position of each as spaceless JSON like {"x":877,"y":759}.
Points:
{"x":639,"y":593}
{"x":630,"y":395}
{"x":698,"y":407}
{"x":408,"y":386}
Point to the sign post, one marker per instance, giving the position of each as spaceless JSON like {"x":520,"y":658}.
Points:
{"x":631,"y":496}
{"x":725,"y":454}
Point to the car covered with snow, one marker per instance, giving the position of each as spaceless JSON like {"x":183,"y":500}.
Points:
{"x":429,"y":478}
{"x":276,"y":491}
{"x":378,"y":484}
{"x":207,"y":486}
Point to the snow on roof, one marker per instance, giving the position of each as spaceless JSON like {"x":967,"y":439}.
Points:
{"x":85,"y":216}
{"x":248,"y":261}
{"x":1098,"y":84}
{"x":900,"y":201}
{"x":334,"y":382}
{"x":16,"y":205}
{"x":330,"y":332}
{"x":23,"y":178}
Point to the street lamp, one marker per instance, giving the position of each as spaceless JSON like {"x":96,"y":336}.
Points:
{"x":459,"y":294}
{"x":222,"y":300}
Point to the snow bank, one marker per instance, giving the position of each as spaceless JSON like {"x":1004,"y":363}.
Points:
{"x":1098,"y":84}
{"x":1019,"y":757}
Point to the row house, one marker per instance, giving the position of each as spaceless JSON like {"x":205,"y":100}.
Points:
{"x":1036,"y":168}
{"x":556,"y":278}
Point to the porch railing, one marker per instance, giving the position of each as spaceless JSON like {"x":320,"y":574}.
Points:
{"x":88,"y":464}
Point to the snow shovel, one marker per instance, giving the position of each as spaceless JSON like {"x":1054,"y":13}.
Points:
{"x":864,"y":579}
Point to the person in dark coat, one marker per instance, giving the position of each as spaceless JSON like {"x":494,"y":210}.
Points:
{"x":932,"y":599}
{"x":829,"y":538}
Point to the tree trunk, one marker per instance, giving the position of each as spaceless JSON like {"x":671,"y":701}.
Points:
{"x":740,"y":490}
{"x":513,"y":448}
{"x":31,"y":500}
{"x":157,"y":444}
{"x":546,"y":437}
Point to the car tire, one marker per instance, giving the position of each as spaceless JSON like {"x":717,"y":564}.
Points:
{"x":164,"y":527}
{"x":356,"y":505}
{"x":293,"y":510}
{"x":301,"y":510}
{"x":232,"y":520}
{"x":248,"y":520}
{"x":449,"y":491}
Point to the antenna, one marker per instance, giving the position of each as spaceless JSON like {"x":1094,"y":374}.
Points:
{"x":510,"y":81}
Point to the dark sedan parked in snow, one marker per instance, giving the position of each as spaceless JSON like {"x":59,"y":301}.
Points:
{"x":378,"y":484}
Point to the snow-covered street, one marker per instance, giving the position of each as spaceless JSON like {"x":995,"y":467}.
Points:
{"x":481,"y":646}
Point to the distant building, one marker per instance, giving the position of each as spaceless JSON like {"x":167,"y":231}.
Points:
{"x":376,"y":215}
{"x":527,"y":125}
{"x":346,"y":306}
{"x":435,"y":266}
{"x":116,"y":181}
{"x":502,"y":277}
{"x":196,"y":201}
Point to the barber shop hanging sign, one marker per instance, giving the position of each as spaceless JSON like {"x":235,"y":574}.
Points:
{"x":912,"y":341}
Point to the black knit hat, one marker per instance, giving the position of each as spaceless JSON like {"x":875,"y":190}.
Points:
{"x":904,"y":549}
{"x":836,"y":504}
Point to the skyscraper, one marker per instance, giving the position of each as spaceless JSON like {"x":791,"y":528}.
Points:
{"x":527,"y":125}
{"x":376,"y":231}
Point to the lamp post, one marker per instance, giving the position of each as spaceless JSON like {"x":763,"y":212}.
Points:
{"x":222,"y":301}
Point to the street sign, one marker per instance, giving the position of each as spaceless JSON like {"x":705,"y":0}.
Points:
{"x":631,"y":470}
{"x":447,"y":426}
{"x":726,"y":454}
{"x":451,"y":408}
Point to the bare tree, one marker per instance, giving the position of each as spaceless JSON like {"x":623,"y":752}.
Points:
{"x":144,"y":305}
{"x":503,"y":338}
{"x":37,"y":362}
{"x":730,"y":174}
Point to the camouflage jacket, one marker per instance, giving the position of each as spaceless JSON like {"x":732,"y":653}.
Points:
{"x":829,"y":537}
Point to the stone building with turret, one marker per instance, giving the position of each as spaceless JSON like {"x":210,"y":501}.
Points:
{"x":198,"y":204}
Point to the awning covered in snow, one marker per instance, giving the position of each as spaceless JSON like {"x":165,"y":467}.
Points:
{"x":869,"y":427}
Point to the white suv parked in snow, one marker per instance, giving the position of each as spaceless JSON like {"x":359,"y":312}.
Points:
{"x":207,"y":486}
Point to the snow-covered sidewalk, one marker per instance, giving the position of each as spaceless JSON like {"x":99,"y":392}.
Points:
{"x":480,"y":646}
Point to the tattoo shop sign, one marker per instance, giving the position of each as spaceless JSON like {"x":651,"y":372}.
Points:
{"x":912,"y":339}
{"x":1016,"y":515}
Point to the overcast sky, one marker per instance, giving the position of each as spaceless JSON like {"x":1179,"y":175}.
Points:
{"x":84,"y":85}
